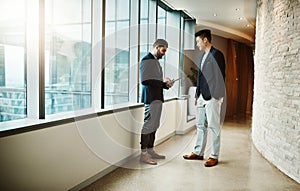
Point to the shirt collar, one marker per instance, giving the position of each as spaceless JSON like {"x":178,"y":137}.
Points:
{"x":153,"y":55}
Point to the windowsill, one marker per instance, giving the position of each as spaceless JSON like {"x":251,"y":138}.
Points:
{"x":14,"y":127}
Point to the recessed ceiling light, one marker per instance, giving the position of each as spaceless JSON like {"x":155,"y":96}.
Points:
{"x":215,"y":14}
{"x":237,"y":9}
{"x":241,"y":18}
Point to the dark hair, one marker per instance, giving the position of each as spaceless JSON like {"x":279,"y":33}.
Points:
{"x":160,"y":42}
{"x":205,"y":33}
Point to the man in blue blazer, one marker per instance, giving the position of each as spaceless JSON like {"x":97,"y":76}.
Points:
{"x":153,"y":84}
{"x":210,"y":94}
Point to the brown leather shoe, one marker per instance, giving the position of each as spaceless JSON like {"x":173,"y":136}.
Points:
{"x":193,"y":156}
{"x":146,"y":158}
{"x":211,"y":162}
{"x":154,"y":154}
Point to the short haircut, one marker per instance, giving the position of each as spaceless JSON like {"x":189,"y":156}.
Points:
{"x":160,"y":42}
{"x":205,"y":33}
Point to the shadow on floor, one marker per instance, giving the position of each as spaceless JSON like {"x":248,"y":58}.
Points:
{"x":241,"y":167}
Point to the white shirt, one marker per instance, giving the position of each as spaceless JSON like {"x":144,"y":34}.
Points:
{"x":203,"y":59}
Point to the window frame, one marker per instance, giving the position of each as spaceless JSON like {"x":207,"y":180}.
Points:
{"x":34,"y":27}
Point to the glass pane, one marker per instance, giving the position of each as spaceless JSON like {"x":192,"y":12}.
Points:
{"x":172,"y":60}
{"x":123,"y":10}
{"x":67,"y":55}
{"x":144,"y":9}
{"x":12,"y":60}
{"x":161,"y":23}
{"x":110,"y":10}
{"x":117,"y":53}
{"x":144,"y":34}
{"x":144,"y":21}
{"x":110,"y":28}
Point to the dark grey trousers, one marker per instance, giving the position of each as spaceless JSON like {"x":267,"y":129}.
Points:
{"x":151,"y":123}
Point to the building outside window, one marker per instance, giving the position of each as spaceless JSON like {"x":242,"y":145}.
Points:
{"x":117,"y":52}
{"x":147,"y":30}
{"x":67,"y":55}
{"x":12,"y":60}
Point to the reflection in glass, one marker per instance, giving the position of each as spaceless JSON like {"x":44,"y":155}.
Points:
{"x":117,"y":23}
{"x":67,"y":55}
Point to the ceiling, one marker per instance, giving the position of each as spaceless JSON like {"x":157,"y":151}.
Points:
{"x":233,"y":19}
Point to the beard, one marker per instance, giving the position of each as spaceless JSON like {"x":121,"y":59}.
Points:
{"x":159,"y":55}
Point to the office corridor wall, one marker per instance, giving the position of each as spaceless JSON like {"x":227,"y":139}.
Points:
{"x":62,"y":157}
{"x":276,"y":107}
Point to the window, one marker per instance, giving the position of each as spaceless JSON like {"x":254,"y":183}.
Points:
{"x":147,"y":30}
{"x":168,"y":27}
{"x":161,"y":23}
{"x":67,"y":55}
{"x":144,"y":28}
{"x":71,"y":79}
{"x":161,"y":32}
{"x":117,"y":52}
{"x":172,"y":63}
{"x":12,"y":60}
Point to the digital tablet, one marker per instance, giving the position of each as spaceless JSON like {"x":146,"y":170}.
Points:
{"x":175,"y":80}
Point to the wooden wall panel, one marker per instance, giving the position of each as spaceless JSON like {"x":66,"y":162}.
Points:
{"x":239,"y":80}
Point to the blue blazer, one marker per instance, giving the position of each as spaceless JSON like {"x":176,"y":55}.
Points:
{"x":151,"y":77}
{"x":211,"y":79}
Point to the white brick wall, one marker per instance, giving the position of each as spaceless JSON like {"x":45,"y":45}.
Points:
{"x":276,"y":103}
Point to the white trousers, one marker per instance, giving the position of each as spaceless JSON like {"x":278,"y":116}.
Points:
{"x":208,"y":117}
